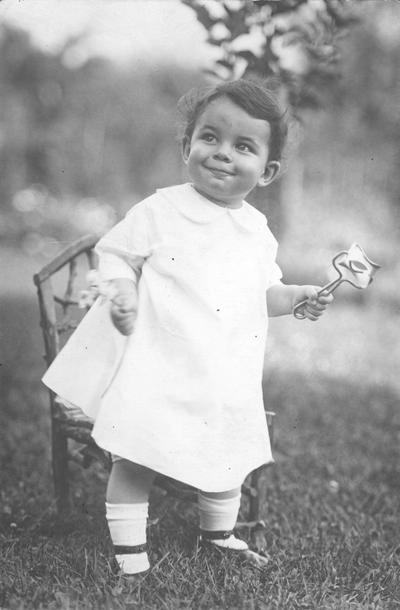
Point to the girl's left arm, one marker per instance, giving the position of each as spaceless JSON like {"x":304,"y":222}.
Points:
{"x":281,"y":299}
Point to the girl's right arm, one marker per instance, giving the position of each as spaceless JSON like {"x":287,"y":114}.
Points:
{"x":122,"y":252}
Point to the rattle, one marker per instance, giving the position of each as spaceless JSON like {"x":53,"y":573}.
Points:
{"x":353,"y":266}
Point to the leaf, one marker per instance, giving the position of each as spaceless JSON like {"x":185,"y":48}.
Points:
{"x":225,"y":63}
{"x":202,"y":14}
{"x":247,"y":55}
{"x":215,"y":41}
{"x":339,"y":13}
{"x":236,"y":21}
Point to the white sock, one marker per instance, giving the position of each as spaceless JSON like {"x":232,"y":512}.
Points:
{"x":219,"y":515}
{"x":127,"y":525}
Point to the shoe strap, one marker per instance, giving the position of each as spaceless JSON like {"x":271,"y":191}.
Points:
{"x":130,"y":550}
{"x":216,"y":535}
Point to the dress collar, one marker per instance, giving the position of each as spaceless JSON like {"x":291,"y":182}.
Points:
{"x":199,"y":209}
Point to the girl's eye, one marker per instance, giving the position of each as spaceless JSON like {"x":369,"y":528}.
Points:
{"x":244,"y":148}
{"x":208,"y":137}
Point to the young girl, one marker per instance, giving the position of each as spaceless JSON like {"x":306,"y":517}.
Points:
{"x":171,"y":366}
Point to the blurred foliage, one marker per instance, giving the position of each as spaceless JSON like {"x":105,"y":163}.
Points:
{"x":80,"y":136}
{"x":295,"y":40}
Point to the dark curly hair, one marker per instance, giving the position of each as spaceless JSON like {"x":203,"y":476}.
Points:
{"x":253,"y":97}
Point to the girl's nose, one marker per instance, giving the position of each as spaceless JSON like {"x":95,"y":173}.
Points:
{"x":223,"y":153}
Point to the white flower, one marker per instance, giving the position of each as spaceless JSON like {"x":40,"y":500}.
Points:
{"x":96,"y":288}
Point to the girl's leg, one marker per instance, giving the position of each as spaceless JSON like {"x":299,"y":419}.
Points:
{"x":129,"y":482}
{"x":218,"y":514}
{"x":127,"y":502}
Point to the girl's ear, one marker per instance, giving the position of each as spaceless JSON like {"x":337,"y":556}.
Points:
{"x":185,"y":149}
{"x":270,"y":173}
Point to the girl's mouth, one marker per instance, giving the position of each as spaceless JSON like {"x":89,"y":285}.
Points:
{"x":216,"y":171}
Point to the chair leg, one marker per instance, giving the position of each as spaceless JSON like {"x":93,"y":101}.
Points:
{"x":60,"y":468}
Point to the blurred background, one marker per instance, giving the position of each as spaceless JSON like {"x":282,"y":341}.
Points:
{"x":88,"y":126}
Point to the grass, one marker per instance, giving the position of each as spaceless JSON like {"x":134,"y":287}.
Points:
{"x":333,"y":512}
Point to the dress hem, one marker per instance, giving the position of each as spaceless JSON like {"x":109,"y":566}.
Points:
{"x":184,"y":480}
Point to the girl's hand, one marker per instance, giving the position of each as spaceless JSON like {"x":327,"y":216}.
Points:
{"x":123,"y":311}
{"x":315,"y":305}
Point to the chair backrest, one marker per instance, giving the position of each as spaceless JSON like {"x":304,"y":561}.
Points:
{"x":59,"y":315}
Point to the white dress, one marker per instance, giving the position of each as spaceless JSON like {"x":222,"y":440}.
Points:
{"x":182,"y":395}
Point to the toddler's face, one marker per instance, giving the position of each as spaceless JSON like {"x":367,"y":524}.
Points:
{"x":227,"y":155}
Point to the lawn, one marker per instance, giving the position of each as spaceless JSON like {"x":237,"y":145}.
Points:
{"x":333,"y":511}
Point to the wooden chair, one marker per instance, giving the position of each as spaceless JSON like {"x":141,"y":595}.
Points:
{"x":70,"y":431}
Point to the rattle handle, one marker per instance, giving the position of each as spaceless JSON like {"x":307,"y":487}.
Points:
{"x":298,"y":310}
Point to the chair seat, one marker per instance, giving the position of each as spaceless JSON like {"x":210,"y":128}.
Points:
{"x":66,"y":411}
{"x":72,"y":422}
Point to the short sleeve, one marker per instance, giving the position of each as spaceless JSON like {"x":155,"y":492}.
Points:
{"x":275,"y":275}
{"x":123,"y":250}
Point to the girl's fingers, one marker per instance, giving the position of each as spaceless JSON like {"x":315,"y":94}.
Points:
{"x":125,"y":302}
{"x":316,"y":304}
{"x":123,"y":319}
{"x":125,"y":330}
{"x":125,"y":308}
{"x":314,"y":310}
{"x":325,"y":298}
{"x":312,"y":316}
{"x":122,"y":306}
{"x":315,"y":307}
{"x":124,"y":327}
{"x":122,"y":315}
